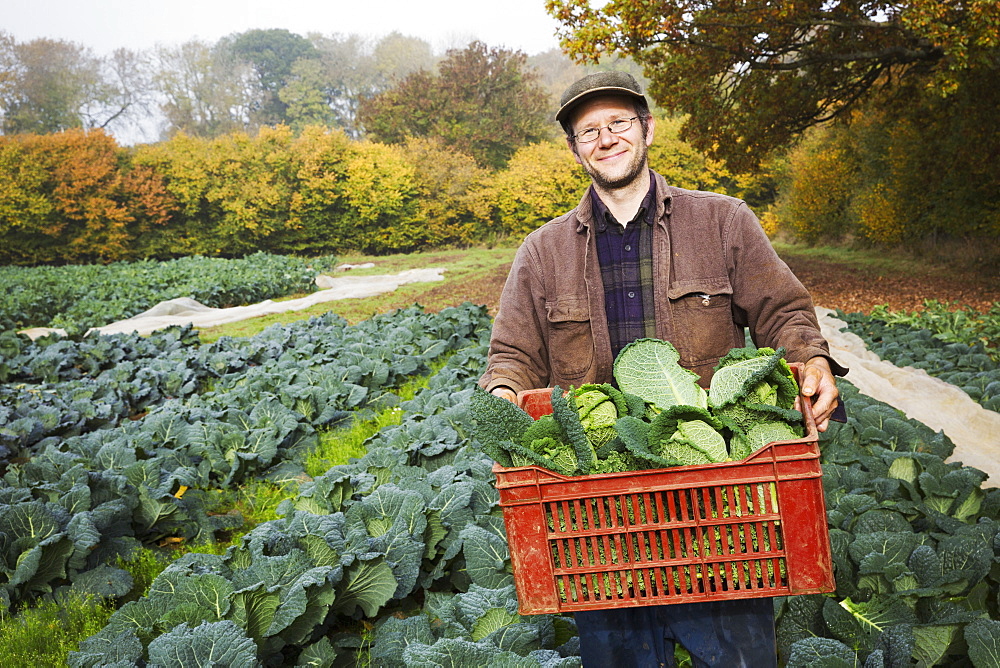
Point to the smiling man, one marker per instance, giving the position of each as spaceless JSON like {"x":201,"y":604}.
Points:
{"x":641,"y":258}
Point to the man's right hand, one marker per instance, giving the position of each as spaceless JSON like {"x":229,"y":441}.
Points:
{"x":505,"y":393}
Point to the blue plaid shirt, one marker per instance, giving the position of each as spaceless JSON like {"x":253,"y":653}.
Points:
{"x":625,"y":255}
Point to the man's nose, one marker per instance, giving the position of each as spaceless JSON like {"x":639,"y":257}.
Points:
{"x":606,"y":137}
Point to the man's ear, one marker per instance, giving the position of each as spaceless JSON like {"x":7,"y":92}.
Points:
{"x":572,"y":147}
{"x":650,"y":131}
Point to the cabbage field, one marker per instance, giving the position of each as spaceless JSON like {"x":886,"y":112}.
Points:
{"x":117,"y":444}
{"x":77,"y":297}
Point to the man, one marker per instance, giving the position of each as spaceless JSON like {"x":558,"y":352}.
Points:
{"x":640,"y":258}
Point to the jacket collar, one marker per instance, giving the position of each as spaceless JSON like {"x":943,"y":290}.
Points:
{"x":585,"y":210}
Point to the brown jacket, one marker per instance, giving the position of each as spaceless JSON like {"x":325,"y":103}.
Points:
{"x":551,"y":328}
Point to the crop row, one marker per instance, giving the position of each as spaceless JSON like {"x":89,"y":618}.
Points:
{"x":951,"y":322}
{"x":413,"y":523}
{"x":81,"y":501}
{"x":57,"y":388}
{"x":77,"y":297}
{"x":967,"y":364}
{"x":914,"y":541}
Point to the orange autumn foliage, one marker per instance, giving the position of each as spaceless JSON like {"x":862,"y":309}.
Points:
{"x":72,"y":197}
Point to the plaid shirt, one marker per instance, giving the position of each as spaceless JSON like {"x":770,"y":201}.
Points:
{"x":626,"y":258}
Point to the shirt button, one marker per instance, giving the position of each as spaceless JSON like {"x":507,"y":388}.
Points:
{"x":631,"y":295}
{"x":628,"y":247}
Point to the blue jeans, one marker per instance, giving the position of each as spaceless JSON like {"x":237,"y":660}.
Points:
{"x":723,"y":634}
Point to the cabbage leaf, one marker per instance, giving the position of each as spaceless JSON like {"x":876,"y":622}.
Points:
{"x":649,"y":368}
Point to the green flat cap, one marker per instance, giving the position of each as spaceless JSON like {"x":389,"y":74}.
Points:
{"x":599,"y":83}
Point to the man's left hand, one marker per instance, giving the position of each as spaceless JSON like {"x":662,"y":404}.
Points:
{"x":819,"y":385}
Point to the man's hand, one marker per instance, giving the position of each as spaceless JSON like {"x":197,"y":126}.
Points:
{"x":505,"y":393}
{"x":818,"y":383}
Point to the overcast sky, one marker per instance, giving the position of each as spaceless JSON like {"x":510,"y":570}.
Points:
{"x":105,"y":25}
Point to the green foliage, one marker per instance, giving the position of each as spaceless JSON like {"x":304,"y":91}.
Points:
{"x":154,"y":478}
{"x":48,"y":86}
{"x":414,"y":525}
{"x":950,"y":322}
{"x":143,"y":565}
{"x":273,"y":54}
{"x":482,"y":101}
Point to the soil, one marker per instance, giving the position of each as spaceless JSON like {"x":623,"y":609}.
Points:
{"x":832,"y":285}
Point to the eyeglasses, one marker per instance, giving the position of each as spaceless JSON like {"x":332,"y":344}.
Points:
{"x":617,"y":127}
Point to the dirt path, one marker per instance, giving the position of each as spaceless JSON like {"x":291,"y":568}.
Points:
{"x":834,"y":285}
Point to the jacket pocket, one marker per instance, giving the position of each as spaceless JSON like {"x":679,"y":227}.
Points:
{"x":571,"y":342}
{"x":703,"y":321}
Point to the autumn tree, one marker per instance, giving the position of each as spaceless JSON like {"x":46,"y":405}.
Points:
{"x":541,"y":181}
{"x":51,"y":85}
{"x":349,"y":69}
{"x":752,"y":74}
{"x":450,"y":191}
{"x":46,"y":85}
{"x":206,"y":92}
{"x":273,"y":55}
{"x":481,"y":101}
{"x":74,"y":196}
{"x":919,"y":172}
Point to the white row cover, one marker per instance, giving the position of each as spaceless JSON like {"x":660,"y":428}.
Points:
{"x":939,"y":405}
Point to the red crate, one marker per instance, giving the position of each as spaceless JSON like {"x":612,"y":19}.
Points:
{"x":750,"y":528}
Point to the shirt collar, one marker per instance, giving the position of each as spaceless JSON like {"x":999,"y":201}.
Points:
{"x":603,"y":217}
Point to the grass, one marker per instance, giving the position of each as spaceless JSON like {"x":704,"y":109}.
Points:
{"x":857,"y":258}
{"x":465,"y":265}
{"x":339,"y":447}
{"x":48,"y":632}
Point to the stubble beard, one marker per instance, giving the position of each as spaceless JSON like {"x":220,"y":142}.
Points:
{"x":633,"y":170}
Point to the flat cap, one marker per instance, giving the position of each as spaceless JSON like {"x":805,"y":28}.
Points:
{"x":599,"y":83}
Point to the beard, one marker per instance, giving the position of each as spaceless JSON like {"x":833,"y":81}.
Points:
{"x":619,"y":178}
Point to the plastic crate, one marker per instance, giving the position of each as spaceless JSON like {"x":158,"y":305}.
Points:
{"x":750,"y":528}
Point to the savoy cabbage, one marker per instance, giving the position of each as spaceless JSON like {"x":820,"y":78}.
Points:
{"x":657,"y":416}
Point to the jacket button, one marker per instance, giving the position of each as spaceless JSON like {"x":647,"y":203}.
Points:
{"x":631,"y":295}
